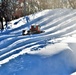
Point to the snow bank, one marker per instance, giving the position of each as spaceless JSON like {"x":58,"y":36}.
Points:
{"x":51,"y":49}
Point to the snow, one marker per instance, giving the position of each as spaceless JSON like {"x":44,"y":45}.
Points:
{"x":74,"y":73}
{"x":52,"y":49}
{"x":50,"y":53}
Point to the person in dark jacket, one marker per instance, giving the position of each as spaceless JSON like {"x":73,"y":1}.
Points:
{"x":27,"y":19}
{"x":1,"y":20}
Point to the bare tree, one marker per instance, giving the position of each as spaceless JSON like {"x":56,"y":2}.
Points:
{"x":72,"y":3}
{"x":18,"y":8}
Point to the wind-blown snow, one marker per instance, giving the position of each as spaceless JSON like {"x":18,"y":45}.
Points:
{"x":56,"y":44}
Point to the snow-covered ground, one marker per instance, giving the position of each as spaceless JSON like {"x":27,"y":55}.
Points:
{"x":50,"y":53}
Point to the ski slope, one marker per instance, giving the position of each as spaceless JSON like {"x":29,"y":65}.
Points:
{"x":50,"y":53}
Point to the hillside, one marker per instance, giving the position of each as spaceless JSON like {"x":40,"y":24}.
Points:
{"x":49,"y":53}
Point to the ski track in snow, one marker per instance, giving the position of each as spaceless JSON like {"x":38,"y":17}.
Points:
{"x":56,"y":24}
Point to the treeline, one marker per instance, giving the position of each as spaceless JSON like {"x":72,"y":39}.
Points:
{"x":18,"y":8}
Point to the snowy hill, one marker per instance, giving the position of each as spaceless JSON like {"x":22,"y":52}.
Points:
{"x":49,"y":53}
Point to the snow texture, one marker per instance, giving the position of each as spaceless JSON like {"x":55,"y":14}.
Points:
{"x":50,"y":53}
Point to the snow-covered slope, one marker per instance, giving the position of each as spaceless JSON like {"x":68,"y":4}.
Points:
{"x":49,"y":53}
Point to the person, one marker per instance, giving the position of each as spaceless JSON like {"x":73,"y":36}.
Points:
{"x":27,"y":19}
{"x":1,"y":23}
{"x":1,"y":20}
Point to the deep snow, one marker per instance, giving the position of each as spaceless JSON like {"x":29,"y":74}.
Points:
{"x":49,"y":53}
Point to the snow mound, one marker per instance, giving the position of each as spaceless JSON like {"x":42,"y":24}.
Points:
{"x":51,"y":49}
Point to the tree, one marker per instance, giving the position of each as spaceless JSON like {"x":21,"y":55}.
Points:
{"x":18,"y":8}
{"x":4,"y":5}
{"x":72,"y":3}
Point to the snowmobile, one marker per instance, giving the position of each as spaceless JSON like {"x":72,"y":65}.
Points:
{"x":35,"y":29}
